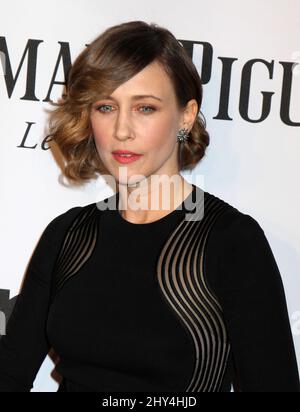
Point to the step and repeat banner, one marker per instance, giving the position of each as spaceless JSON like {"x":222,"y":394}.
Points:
{"x":248,"y":55}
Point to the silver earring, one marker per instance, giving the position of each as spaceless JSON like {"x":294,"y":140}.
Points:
{"x":182,"y":135}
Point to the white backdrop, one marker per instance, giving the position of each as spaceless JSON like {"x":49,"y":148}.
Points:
{"x":252,"y":165}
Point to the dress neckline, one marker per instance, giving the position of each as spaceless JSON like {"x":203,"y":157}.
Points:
{"x":180,"y":210}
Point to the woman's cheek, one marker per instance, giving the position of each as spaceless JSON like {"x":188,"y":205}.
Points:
{"x":100,"y":137}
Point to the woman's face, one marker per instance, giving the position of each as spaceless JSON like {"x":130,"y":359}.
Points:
{"x":143,"y":125}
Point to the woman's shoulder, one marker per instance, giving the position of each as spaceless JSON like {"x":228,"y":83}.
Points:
{"x":232,"y":223}
{"x":66,"y":219}
{"x":238,"y":247}
{"x":63,"y":220}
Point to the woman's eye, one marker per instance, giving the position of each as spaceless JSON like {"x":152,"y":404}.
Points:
{"x":103,"y":105}
{"x":149,"y":109}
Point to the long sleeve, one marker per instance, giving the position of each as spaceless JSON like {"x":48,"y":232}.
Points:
{"x":25,"y":345}
{"x":255,"y":311}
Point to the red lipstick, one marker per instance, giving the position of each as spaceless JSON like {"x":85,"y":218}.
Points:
{"x":125,"y":156}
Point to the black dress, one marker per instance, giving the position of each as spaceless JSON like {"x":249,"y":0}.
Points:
{"x":175,"y":305}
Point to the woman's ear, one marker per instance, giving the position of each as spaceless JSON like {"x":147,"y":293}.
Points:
{"x":190,"y":113}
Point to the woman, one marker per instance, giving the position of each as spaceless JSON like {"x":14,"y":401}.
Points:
{"x":185,"y":296}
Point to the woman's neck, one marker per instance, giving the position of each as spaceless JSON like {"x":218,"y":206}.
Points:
{"x":149,"y":202}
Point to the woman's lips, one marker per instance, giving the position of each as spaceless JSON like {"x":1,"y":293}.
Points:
{"x":126,"y":159}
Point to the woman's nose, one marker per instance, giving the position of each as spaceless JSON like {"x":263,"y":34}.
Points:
{"x":123,"y":126}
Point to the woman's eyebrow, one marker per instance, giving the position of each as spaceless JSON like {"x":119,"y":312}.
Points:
{"x":135,"y":97}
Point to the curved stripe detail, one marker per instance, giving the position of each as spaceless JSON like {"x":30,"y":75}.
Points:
{"x":77,"y":247}
{"x":180,"y":274}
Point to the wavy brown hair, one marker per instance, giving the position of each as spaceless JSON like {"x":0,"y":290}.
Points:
{"x":109,"y":60}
